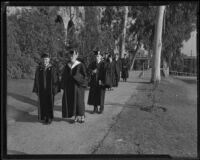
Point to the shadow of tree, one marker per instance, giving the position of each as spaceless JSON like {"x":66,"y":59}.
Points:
{"x":138,"y":82}
{"x":189,"y":81}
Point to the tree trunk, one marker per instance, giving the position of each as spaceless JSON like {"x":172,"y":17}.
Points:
{"x":116,"y":49}
{"x":124,"y":31}
{"x":134,"y":57}
{"x":157,"y":45}
{"x":64,"y":13}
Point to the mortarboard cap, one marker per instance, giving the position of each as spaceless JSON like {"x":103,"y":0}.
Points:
{"x":44,"y":55}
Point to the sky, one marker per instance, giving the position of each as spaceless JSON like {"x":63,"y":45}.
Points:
{"x":190,"y":45}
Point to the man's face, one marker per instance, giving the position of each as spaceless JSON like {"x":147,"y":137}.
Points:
{"x":46,"y":61}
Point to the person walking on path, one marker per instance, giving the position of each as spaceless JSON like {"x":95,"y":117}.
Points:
{"x":46,"y":86}
{"x":125,"y":67}
{"x":97,"y":89}
{"x":74,"y":83}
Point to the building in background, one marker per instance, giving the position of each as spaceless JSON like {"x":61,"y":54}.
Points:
{"x":190,"y":64}
{"x":142,"y":60}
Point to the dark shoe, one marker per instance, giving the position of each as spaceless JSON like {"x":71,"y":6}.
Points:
{"x":95,"y":110}
{"x":50,"y":121}
{"x":101,"y":109}
{"x":46,"y":121}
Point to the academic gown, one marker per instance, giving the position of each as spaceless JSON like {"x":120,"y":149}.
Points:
{"x":125,"y":68}
{"x":97,"y":92}
{"x":113,"y":74}
{"x":46,"y":85}
{"x":109,"y":73}
{"x":118,"y":65}
{"x":73,"y":83}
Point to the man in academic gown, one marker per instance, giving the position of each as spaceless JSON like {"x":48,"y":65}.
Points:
{"x":46,"y":86}
{"x":97,"y":89}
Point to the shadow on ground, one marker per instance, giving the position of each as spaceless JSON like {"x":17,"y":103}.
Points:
{"x":138,"y":82}
{"x":13,"y":152}
{"x":24,"y":116}
{"x":23,"y":99}
{"x":189,"y":81}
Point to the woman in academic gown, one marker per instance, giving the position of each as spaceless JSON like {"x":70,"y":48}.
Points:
{"x":46,"y":86}
{"x":73,"y":83}
{"x":125,"y":67}
{"x":97,"y":89}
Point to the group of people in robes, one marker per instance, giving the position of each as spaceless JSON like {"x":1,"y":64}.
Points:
{"x":104,"y":74}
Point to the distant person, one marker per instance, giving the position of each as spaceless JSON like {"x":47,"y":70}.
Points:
{"x":118,"y":68}
{"x":125,"y":68}
{"x":97,"y":89}
{"x":112,"y":72}
{"x":74,"y":83}
{"x":46,"y":86}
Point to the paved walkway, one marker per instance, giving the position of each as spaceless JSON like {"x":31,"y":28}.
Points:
{"x":27,"y":136}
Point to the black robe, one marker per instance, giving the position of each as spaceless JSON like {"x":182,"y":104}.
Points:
{"x":46,"y":85}
{"x":113,"y":74}
{"x":97,"y":92}
{"x":125,"y":68}
{"x":118,"y":66}
{"x":73,"y":83}
{"x":108,"y":73}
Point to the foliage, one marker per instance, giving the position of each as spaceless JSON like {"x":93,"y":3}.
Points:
{"x":180,"y":21}
{"x":30,"y":34}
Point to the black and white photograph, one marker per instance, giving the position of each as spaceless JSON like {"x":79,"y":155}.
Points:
{"x":95,"y":79}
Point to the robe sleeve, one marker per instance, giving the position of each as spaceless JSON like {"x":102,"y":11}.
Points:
{"x":63,"y":79}
{"x":80,"y":76}
{"x":36,"y":82}
{"x":56,"y":81}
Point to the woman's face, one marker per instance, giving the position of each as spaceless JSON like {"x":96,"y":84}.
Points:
{"x":73,"y":56}
{"x":98,"y":57}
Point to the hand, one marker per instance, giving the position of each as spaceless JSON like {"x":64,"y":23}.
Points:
{"x":100,"y":83}
{"x":94,"y":71}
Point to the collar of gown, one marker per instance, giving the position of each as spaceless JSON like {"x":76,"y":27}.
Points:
{"x":74,"y":65}
{"x":43,"y":67}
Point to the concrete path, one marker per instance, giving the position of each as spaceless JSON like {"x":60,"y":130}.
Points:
{"x":25,"y":135}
